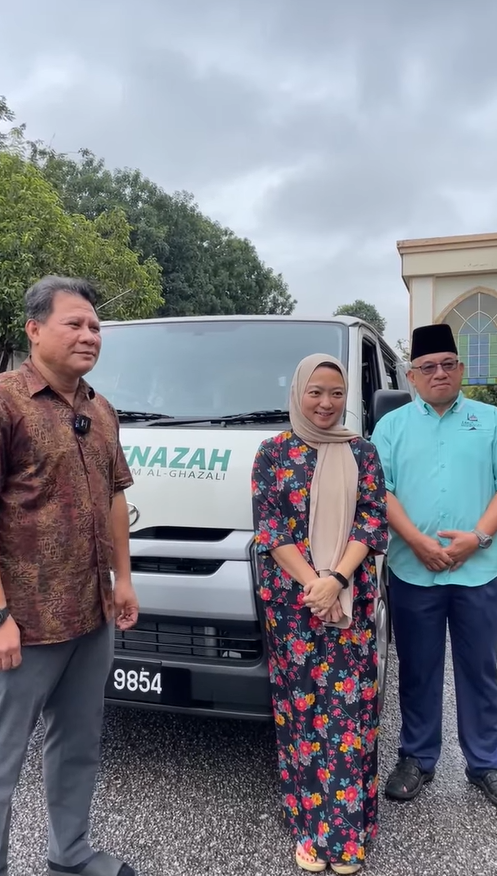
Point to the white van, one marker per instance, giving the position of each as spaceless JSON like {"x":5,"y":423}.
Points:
{"x":195,"y":397}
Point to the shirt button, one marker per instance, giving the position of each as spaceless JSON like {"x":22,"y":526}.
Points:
{"x":444,"y":490}
{"x":443,"y":465}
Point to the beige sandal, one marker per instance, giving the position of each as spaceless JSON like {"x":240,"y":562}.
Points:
{"x":309,"y":862}
{"x":346,"y":869}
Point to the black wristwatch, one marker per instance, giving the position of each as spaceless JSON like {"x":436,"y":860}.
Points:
{"x":341,"y":579}
{"x":4,"y":614}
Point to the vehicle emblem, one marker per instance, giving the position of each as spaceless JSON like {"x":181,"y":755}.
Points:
{"x":133,"y":513}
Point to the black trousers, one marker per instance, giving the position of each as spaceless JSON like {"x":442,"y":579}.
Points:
{"x":420,"y":616}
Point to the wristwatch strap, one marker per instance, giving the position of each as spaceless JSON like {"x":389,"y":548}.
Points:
{"x":484,"y":539}
{"x":4,"y":614}
{"x":341,"y":579}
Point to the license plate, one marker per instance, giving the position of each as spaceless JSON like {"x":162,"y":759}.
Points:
{"x":139,"y":682}
{"x":149,"y":683}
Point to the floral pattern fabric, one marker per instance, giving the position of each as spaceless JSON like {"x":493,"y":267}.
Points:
{"x":323,"y":679}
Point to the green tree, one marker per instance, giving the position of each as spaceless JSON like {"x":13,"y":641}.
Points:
{"x":38,"y":237}
{"x":363,"y":310}
{"x":6,"y":115}
{"x":402,"y":347}
{"x":206,"y":269}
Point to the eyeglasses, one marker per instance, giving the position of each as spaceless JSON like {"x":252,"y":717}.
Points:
{"x":428,"y":368}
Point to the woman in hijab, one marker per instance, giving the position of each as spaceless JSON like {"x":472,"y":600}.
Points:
{"x":320,"y":518}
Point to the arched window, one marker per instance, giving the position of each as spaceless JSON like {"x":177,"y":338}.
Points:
{"x":474,"y":323}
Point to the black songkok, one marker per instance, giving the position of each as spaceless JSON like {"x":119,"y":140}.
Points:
{"x":428,"y":339}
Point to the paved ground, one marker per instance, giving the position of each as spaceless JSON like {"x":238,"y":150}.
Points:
{"x":200,"y":798}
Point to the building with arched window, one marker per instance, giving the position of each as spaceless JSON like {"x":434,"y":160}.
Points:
{"x":454,"y":280}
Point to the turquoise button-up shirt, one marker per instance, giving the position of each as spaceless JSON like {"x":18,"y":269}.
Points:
{"x":443,"y":471}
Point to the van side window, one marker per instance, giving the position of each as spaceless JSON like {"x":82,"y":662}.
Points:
{"x":370,"y":379}
{"x":391,"y":367}
{"x":402,"y":379}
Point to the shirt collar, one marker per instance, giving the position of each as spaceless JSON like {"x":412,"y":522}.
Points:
{"x":427,"y":409}
{"x":36,"y":383}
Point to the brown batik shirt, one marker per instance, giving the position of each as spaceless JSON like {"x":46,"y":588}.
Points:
{"x":56,"y":490}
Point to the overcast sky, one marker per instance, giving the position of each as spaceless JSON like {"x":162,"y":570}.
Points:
{"x":323,"y":130}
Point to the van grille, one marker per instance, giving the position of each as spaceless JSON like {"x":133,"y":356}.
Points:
{"x":237,"y":643}
{"x":182,"y":533}
{"x":175,"y":566}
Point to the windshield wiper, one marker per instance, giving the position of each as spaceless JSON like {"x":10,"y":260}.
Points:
{"x":141,"y":415}
{"x":269,"y":416}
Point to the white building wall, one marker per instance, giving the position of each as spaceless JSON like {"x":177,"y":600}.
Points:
{"x":449,"y":289}
{"x":421,"y":301}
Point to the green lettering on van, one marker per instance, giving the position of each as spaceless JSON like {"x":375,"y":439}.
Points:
{"x":180,"y":453}
{"x":159,"y":457}
{"x":197,"y":459}
{"x":218,"y":459}
{"x":139,"y":455}
{"x":177,"y":458}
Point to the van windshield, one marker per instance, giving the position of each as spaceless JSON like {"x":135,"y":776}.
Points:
{"x":211,"y":368}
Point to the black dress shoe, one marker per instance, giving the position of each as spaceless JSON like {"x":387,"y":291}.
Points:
{"x":487,"y":782}
{"x":407,"y":779}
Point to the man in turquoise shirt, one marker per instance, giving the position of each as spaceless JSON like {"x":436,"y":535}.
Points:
{"x":439,"y":455}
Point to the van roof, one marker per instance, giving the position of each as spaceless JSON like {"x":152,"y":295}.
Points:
{"x":273,"y":317}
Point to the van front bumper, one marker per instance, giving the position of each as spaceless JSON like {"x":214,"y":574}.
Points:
{"x":175,"y":666}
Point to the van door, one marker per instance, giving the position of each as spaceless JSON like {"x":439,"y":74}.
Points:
{"x":373,"y":375}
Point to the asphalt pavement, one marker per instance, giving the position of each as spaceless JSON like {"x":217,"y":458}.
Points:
{"x":200,"y":797}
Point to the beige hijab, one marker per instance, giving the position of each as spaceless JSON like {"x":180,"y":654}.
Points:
{"x":335,"y":482}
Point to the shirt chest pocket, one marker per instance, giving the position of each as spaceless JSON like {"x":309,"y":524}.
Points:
{"x":476,"y":447}
{"x":38,"y":455}
{"x":70,"y":459}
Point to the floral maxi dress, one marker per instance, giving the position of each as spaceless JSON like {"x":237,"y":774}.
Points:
{"x":323,"y":680}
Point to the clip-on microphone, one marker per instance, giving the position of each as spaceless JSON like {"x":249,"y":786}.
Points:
{"x":82,"y":424}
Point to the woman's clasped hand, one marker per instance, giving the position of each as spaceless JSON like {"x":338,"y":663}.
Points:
{"x":322,"y":597}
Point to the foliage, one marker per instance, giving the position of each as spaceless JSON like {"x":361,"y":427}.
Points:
{"x":6,"y":115}
{"x":363,"y":310}
{"x":153,"y":252}
{"x":122,"y":230}
{"x":486,"y":394}
{"x":206,"y":269}
{"x":38,"y":237}
{"x":402,"y":347}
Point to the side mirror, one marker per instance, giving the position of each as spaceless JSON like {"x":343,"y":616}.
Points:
{"x":384,"y":401}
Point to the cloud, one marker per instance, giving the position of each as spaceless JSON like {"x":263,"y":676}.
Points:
{"x":323,"y":131}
